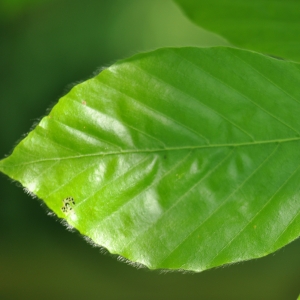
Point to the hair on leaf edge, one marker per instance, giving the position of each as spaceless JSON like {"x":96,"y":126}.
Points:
{"x":136,"y":265}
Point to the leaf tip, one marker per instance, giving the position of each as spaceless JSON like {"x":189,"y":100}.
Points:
{"x":2,"y":165}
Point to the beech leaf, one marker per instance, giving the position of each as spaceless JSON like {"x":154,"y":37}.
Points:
{"x":180,"y":158}
{"x":268,"y":26}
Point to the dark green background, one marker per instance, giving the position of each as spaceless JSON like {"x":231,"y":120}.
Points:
{"x":46,"y":45}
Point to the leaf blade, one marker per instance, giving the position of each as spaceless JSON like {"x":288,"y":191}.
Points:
{"x":271,"y":27}
{"x":170,"y":157}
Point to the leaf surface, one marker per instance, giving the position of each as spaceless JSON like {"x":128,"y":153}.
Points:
{"x":268,"y":26}
{"x":181,"y":158}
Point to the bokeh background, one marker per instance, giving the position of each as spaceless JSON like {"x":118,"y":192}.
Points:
{"x":46,"y":45}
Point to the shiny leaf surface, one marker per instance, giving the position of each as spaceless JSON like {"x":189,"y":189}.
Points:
{"x":181,"y":158}
{"x":268,"y":26}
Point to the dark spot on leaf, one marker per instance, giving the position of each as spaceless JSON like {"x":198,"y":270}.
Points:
{"x":68,"y":204}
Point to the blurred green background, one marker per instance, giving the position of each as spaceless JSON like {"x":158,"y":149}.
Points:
{"x":45,"y":45}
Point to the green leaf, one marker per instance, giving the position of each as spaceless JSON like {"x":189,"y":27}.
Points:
{"x":268,"y":26}
{"x":181,"y":158}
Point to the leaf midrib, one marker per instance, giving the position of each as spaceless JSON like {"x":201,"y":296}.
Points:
{"x":159,"y":150}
